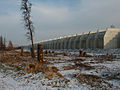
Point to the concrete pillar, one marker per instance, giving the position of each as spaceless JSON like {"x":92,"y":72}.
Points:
{"x":73,"y":42}
{"x":62,"y":43}
{"x":66,"y":42}
{"x":44,"y":45}
{"x":47,"y":44}
{"x":69,"y":42}
{"x":90,"y":40}
{"x":58,"y":44}
{"x":83,"y":40}
{"x":77,"y":42}
{"x":52,"y":45}
{"x":99,"y":39}
{"x":55,"y":44}
{"x":96,"y":40}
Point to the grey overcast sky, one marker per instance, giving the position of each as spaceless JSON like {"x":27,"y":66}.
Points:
{"x":55,"y":18}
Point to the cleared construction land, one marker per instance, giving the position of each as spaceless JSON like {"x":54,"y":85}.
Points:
{"x":59,"y":71}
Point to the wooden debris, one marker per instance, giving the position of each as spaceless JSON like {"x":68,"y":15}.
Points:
{"x":65,"y":53}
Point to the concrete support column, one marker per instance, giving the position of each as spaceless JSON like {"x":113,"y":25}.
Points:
{"x":58,"y":44}
{"x":69,"y":43}
{"x":61,"y":44}
{"x":83,"y":41}
{"x":73,"y":42}
{"x":66,"y":40}
{"x":77,"y":42}
{"x":90,"y":40}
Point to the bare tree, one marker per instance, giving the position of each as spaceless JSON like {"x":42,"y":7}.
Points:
{"x":2,"y":43}
{"x":26,"y":10}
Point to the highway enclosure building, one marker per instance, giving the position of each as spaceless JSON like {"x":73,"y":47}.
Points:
{"x":101,"y":39}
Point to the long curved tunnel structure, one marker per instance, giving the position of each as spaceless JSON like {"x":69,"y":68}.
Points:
{"x":101,"y":39}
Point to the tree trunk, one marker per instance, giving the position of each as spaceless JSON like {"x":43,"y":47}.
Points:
{"x":33,"y":51}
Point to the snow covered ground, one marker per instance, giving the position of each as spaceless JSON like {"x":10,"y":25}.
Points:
{"x":83,"y":73}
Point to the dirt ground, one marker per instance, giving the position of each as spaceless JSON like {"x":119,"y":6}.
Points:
{"x":59,"y":71}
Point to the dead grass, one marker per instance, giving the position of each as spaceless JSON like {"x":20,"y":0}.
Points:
{"x":25,"y":63}
{"x":50,"y":72}
{"x":93,"y":81}
{"x":1,"y":65}
{"x":84,"y":65}
{"x":111,"y":74}
{"x":103,"y":58}
{"x":11,"y":56}
{"x":22,"y":64}
{"x":69,"y":67}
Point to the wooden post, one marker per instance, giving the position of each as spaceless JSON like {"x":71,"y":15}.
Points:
{"x":40,"y":53}
{"x":22,"y":51}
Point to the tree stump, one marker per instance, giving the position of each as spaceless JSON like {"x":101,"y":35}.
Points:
{"x":40,"y":53}
{"x":81,"y":53}
{"x":46,"y":51}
